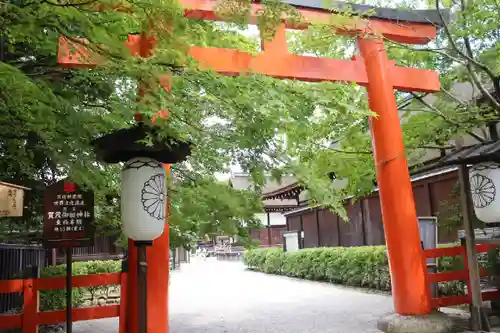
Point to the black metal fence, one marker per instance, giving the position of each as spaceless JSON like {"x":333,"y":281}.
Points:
{"x":16,"y":262}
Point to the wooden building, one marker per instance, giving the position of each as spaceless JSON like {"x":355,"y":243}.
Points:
{"x":272,"y":219}
{"x":434,"y":191}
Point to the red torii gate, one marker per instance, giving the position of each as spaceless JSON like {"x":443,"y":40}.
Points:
{"x":372,"y":69}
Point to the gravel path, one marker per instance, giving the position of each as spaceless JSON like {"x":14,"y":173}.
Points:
{"x":219,"y":297}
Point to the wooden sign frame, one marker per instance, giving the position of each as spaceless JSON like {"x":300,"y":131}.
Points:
{"x":68,"y":216}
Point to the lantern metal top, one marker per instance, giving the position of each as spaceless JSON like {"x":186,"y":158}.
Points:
{"x":478,"y":153}
{"x":125,"y":144}
{"x":428,"y":16}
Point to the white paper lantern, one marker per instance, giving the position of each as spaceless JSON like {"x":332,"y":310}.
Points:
{"x":143,"y":199}
{"x":484,"y":180}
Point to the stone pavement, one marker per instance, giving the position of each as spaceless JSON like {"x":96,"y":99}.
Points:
{"x":219,"y":297}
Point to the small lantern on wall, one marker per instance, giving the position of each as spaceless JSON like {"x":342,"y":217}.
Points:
{"x":143,"y":198}
{"x":484,"y":184}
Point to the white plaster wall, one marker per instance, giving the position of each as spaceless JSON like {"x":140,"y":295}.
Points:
{"x":278,"y":219}
{"x":263,"y":218}
{"x":275,"y":218}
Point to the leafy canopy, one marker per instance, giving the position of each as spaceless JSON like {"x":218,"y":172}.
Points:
{"x":50,"y":114}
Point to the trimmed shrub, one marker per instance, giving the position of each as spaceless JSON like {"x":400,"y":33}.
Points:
{"x":56,"y":299}
{"x":363,"y":266}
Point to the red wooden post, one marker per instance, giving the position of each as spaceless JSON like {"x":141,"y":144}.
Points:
{"x":158,"y":254}
{"x":406,"y":260}
{"x":30,"y":311}
{"x":123,"y":303}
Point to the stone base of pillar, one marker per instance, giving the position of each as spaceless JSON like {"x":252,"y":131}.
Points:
{"x":436,"y":322}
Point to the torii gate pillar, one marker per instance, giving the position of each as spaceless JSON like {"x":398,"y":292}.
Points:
{"x":407,"y":265}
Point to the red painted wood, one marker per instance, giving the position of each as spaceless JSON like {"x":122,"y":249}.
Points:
{"x":448,"y":276}
{"x":10,"y":322}
{"x":490,"y":295}
{"x":278,"y":65}
{"x":31,"y":318}
{"x":449,"y":301}
{"x":54,"y":317}
{"x":407,"y":265}
{"x":463,"y":299}
{"x":444,"y":252}
{"x":403,"y":32}
{"x":30,"y":306}
{"x":123,"y":304}
{"x":11,"y":286}
{"x":400,"y":31}
{"x":480,"y":248}
{"x":79,"y":281}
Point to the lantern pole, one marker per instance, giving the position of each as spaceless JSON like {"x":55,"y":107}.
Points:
{"x":474,"y":285}
{"x":142,"y":289}
{"x":69,"y":289}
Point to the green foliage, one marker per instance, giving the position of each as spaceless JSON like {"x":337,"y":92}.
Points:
{"x":210,"y":207}
{"x":51,"y":114}
{"x":465,"y":51}
{"x":364,"y":266}
{"x":56,"y":299}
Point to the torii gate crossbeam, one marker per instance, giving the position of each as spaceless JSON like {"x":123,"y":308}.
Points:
{"x":372,"y":69}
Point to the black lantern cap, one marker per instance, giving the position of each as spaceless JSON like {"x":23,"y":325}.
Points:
{"x":123,"y":145}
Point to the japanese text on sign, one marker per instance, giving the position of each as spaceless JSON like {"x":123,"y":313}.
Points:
{"x":68,"y":216}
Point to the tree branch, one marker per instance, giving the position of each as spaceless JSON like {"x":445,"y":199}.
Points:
{"x":437,"y":51}
{"x":68,"y":4}
{"x":435,"y":147}
{"x":91,"y":105}
{"x":13,"y":137}
{"x":439,"y":113}
{"x":484,"y":91}
{"x":469,"y":58}
{"x":450,"y":95}
{"x":352,"y":152}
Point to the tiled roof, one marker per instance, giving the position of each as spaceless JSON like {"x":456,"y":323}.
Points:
{"x":481,"y":152}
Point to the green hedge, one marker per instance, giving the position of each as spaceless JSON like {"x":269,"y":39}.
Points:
{"x":363,"y":266}
{"x":56,"y":299}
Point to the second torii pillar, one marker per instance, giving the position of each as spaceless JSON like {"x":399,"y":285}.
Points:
{"x":410,"y":289}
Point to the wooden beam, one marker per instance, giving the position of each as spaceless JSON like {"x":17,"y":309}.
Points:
{"x":403,"y":32}
{"x":11,"y":322}
{"x":51,"y":283}
{"x":54,"y":317}
{"x":398,"y":30}
{"x":282,"y":66}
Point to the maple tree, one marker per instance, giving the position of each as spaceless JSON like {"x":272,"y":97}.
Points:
{"x":51,"y":114}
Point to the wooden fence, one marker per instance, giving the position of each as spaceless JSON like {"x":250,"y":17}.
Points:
{"x":15,"y":260}
{"x":31,"y":317}
{"x":433,"y":197}
{"x":462,"y":275}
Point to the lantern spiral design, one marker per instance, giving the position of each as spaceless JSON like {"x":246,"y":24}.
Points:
{"x":483,"y":191}
{"x":153,"y":196}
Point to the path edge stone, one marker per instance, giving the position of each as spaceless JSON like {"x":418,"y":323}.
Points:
{"x":436,"y":322}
